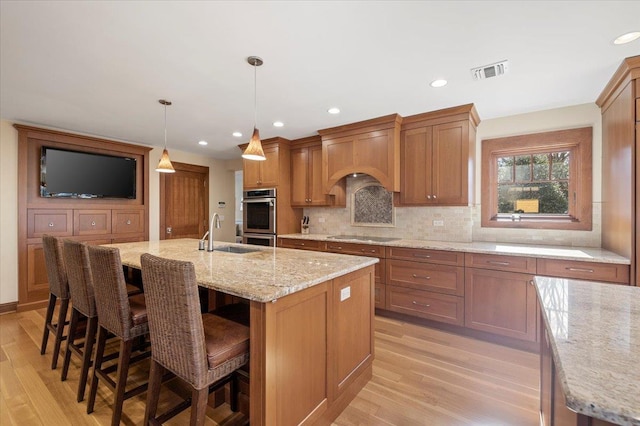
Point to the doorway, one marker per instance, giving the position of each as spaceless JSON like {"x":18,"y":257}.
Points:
{"x":184,"y":202}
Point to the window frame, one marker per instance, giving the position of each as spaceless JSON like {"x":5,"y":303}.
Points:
{"x":578,"y":142}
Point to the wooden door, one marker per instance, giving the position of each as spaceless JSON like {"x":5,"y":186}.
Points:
{"x":316,"y":191}
{"x":184,"y":202}
{"x":299,"y":183}
{"x":270,"y":168}
{"x":415,"y":165}
{"x":449,"y":176}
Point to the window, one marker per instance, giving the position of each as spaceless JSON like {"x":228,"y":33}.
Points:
{"x":541,"y":180}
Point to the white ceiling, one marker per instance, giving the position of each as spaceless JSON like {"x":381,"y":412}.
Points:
{"x":100,"y":67}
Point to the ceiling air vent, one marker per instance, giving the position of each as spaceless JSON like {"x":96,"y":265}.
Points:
{"x":488,"y":71}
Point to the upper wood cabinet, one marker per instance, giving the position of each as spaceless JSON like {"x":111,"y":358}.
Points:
{"x":262,"y":174}
{"x":306,"y":176}
{"x":437,"y":157}
{"x":371,"y":147}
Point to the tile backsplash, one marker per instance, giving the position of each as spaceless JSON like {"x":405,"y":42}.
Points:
{"x":459,"y":224}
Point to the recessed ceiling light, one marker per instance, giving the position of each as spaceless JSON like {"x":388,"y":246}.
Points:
{"x":237,"y":134}
{"x":627,"y":38}
{"x":438,"y":83}
{"x":278,"y":124}
{"x":203,"y":143}
{"x":333,"y":110}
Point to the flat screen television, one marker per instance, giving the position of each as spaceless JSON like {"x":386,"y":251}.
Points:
{"x":75,"y":174}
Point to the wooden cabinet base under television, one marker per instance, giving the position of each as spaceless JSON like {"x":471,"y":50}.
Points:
{"x":437,"y":152}
{"x":306,"y":176}
{"x":93,"y":220}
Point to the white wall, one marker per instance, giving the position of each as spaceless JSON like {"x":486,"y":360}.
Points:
{"x":8,"y":212}
{"x":221,"y":188}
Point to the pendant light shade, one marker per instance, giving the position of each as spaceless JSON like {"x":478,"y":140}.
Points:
{"x":165,"y":166}
{"x":254,"y":150}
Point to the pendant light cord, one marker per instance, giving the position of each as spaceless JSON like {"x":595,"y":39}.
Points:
{"x":255,"y":96}
{"x":165,"y":126}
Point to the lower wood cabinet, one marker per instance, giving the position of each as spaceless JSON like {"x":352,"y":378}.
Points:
{"x":426,"y":304}
{"x":502,"y":303}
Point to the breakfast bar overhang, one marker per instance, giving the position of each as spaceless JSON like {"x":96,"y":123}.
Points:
{"x":311,"y":322}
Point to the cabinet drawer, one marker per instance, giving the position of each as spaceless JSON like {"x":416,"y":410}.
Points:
{"x":426,"y":304}
{"x":354,"y":248}
{"x":610,"y":272}
{"x":52,"y":222}
{"x":91,"y":222}
{"x":127,"y":221}
{"x":301,"y":244}
{"x":425,"y":276}
{"x":424,"y":255}
{"x":501,"y":263}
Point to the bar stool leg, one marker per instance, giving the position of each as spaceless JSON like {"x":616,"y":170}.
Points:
{"x":47,"y":322}
{"x":199,"y":406}
{"x":121,"y":380}
{"x":153,"y":392}
{"x":89,"y":339}
{"x":62,"y":317}
{"x":97,"y":364}
{"x":73,"y":325}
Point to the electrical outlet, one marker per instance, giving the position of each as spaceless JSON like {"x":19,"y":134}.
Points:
{"x":438,"y":223}
{"x":345,"y":293}
{"x":321,"y":219}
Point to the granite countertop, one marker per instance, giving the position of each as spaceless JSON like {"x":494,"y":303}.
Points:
{"x":263,"y":275}
{"x":585,"y":254}
{"x":594,"y":329}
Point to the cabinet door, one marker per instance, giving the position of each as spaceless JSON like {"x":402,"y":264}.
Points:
{"x":415,"y":159}
{"x":316,"y":194}
{"x":270,"y":168}
{"x":449,"y":168}
{"x":91,"y":222}
{"x":251,"y":173}
{"x":502,"y":303}
{"x":299,"y":173}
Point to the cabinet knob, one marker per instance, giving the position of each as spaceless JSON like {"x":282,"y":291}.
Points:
{"x":428,"y":197}
{"x":93,"y":223}
{"x":421,"y":304}
{"x":128,"y":221}
{"x":50,"y":224}
{"x":434,"y":197}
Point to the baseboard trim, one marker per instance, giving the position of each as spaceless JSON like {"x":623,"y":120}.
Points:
{"x":33,"y":305}
{"x":8,"y":307}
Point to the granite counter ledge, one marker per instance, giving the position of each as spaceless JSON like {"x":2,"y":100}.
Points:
{"x":264,"y":275}
{"x":594,"y":335}
{"x":584,"y":254}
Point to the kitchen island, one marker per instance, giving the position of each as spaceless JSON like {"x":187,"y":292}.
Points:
{"x":590,"y":353}
{"x":311,"y":322}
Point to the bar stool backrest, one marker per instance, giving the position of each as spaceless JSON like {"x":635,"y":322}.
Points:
{"x":175,"y":322}
{"x":56,"y":272}
{"x":110,"y":290}
{"x":76,"y":259}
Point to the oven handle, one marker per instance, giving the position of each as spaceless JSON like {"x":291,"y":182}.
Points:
{"x":271,"y":201}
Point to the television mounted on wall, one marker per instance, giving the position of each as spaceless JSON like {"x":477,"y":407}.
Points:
{"x":75,"y":174}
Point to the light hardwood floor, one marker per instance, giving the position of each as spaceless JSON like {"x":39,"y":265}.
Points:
{"x":421,"y":376}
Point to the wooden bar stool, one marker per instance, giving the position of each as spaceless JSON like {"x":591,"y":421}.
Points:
{"x":204,"y":350}
{"x":58,"y":289}
{"x":123,"y":316}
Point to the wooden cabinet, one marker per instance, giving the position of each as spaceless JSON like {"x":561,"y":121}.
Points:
{"x":437,"y":157}
{"x":426,"y":283}
{"x":296,"y":243}
{"x":498,"y":302}
{"x":262,"y":174}
{"x":591,"y":271}
{"x":95,"y":221}
{"x":370,"y":147}
{"x":306,"y":177}
{"x":620,"y":103}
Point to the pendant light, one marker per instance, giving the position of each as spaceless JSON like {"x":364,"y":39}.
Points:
{"x":254,"y":150}
{"x":165,"y":166}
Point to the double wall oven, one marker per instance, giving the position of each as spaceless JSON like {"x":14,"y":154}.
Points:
{"x":259,"y":217}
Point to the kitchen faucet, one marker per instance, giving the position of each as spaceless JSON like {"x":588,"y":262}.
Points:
{"x":215,"y":222}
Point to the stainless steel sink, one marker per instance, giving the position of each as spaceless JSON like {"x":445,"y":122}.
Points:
{"x":363,"y":238}
{"x":234,"y":249}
